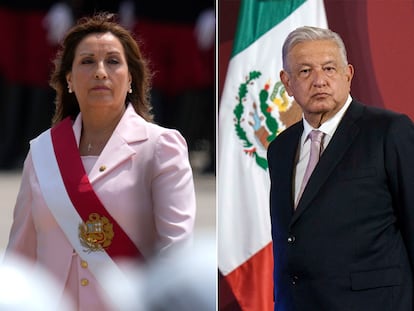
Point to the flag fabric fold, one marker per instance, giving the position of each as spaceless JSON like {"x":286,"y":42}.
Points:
{"x":254,"y":108}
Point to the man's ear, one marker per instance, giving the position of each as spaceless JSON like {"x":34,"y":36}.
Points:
{"x":350,"y":72}
{"x":285,"y":78}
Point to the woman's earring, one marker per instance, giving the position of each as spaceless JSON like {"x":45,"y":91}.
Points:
{"x":70,"y":89}
{"x":130,"y":89}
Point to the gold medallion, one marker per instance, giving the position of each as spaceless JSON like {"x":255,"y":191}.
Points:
{"x":96,"y":234}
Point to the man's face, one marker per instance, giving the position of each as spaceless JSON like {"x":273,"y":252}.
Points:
{"x":317,"y":78}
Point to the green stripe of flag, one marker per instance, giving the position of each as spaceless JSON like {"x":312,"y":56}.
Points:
{"x":257,"y":17}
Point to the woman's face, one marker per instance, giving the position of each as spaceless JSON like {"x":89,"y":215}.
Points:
{"x":100,"y":77}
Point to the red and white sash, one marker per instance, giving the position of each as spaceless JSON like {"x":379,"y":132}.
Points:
{"x":71,"y":199}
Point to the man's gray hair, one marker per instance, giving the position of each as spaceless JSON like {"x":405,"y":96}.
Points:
{"x":307,"y":33}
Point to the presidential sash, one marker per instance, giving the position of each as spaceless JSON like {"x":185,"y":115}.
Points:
{"x":93,"y":232}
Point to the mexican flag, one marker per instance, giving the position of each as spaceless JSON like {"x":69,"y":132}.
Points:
{"x":254,"y":108}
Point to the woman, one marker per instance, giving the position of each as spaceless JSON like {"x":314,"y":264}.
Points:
{"x":104,"y":182}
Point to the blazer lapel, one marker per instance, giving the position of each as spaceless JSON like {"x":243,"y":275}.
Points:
{"x":131,"y":128}
{"x":116,"y":151}
{"x":344,"y":135}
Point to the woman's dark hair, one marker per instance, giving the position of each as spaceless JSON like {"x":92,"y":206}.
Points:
{"x":66,"y":103}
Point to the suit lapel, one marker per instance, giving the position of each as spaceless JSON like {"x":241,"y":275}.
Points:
{"x":343,"y":138}
{"x":291,"y":153}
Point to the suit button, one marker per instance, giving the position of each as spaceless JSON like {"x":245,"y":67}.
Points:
{"x":295,"y":280}
{"x":291,"y":239}
{"x":84,"y":282}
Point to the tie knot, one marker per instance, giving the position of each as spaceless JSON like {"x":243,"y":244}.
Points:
{"x":316,"y":135}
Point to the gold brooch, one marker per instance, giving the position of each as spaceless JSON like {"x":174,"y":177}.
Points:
{"x":96,"y":234}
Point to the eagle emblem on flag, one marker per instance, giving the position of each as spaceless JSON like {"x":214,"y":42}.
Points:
{"x":260,"y":118}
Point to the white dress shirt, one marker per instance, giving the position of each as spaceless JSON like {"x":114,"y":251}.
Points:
{"x":328,"y":128}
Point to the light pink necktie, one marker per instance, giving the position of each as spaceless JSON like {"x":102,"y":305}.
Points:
{"x":315,"y":151}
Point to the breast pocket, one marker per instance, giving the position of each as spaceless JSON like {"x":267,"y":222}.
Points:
{"x":359,"y":173}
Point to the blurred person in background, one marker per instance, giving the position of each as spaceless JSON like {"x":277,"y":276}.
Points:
{"x":179,"y":41}
{"x":25,"y":64}
{"x":20,"y":290}
{"x":186,"y":280}
{"x":104,"y":183}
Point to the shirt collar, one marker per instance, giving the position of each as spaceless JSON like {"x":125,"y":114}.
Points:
{"x":329,"y":126}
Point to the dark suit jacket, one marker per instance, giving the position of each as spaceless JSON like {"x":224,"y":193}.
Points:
{"x":350,"y":243}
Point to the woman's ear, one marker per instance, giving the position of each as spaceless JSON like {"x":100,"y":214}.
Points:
{"x":68,"y":77}
{"x":69,"y":81}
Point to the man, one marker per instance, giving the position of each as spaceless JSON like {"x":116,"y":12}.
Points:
{"x":344,"y":240}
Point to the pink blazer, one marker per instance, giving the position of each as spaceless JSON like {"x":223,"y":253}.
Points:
{"x":147,"y":186}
